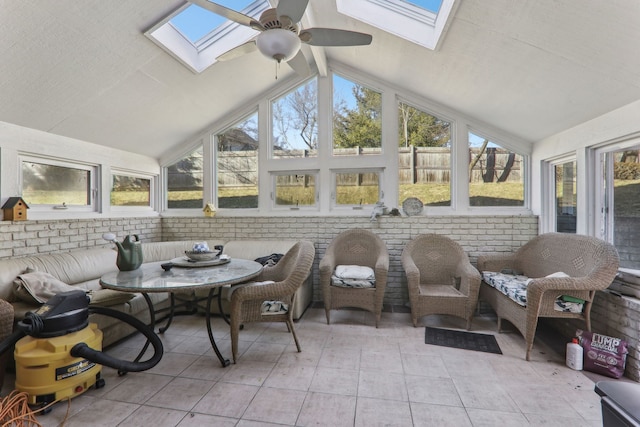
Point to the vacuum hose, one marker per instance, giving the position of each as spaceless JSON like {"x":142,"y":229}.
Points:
{"x":83,"y":350}
{"x":68,"y":312}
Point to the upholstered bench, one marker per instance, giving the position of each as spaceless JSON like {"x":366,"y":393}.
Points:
{"x":589,"y":264}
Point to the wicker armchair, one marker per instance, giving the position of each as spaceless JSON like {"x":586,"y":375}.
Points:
{"x":355,"y":247}
{"x":440,"y":278}
{"x":590,"y":262}
{"x":278,"y":283}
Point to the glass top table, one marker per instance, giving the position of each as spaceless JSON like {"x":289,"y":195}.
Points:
{"x":151,"y":278}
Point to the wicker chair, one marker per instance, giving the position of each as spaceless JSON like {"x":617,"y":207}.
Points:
{"x":283,"y":279}
{"x":355,"y":247}
{"x":440,"y":278}
{"x":591,"y":263}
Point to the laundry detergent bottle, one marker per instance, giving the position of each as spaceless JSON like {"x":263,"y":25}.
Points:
{"x":574,"y":355}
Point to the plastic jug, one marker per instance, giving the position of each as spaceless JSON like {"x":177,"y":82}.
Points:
{"x":574,"y":355}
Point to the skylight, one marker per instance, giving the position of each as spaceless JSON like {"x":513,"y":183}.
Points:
{"x":196,"y":36}
{"x":419,"y":21}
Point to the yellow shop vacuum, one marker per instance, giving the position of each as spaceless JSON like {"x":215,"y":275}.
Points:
{"x":58,"y":353}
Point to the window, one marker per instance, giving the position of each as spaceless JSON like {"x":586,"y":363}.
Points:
{"x":357,"y":118}
{"x":357,"y":189}
{"x":419,"y":21}
{"x":184,"y":182}
{"x":237,"y":165}
{"x":58,"y":185}
{"x":295,"y":190}
{"x":130,"y":190}
{"x":496,"y":175}
{"x":621,"y":210}
{"x":294,"y":122}
{"x":424,"y":155}
{"x":196,"y":37}
{"x":565,"y":197}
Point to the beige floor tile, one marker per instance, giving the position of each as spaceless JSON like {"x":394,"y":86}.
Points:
{"x":290,"y":377}
{"x":248,"y":372}
{"x":102,"y":412}
{"x":274,"y":405}
{"x":138,"y":387}
{"x":348,"y":373}
{"x":427,"y":415}
{"x":436,"y":391}
{"x":427,"y":365}
{"x":485,"y":418}
{"x":226,"y":400}
{"x":335,"y":381}
{"x":205,"y":367}
{"x":484,"y":395}
{"x":203,"y":420}
{"x":382,"y":385}
{"x":152,"y":416}
{"x":321,"y":409}
{"x":181,"y":394}
{"x":388,"y":361}
{"x":341,"y":358}
{"x":379,"y":412}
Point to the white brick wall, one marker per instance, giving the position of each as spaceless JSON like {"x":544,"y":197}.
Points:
{"x":476,"y":234}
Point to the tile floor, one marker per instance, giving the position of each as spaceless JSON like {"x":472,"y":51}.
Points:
{"x":348,"y":374}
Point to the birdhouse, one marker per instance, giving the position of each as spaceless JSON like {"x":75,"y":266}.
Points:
{"x":209,"y":210}
{"x":15,"y":209}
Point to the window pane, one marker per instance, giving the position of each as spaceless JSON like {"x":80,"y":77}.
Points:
{"x":130,"y":191}
{"x":424,"y":157}
{"x":565,"y":176}
{"x":357,"y":119}
{"x":237,"y":165}
{"x":294,"y":122}
{"x":46,"y":184}
{"x":495,"y":174}
{"x":184,"y":182}
{"x":626,"y":206}
{"x":295,"y":190}
{"x":357,"y":188}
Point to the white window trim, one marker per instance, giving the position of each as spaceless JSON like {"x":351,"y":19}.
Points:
{"x":548,"y":217}
{"x":307,"y":208}
{"x":153,"y":180}
{"x":599,"y":226}
{"x":353,"y":207}
{"x":54,"y":209}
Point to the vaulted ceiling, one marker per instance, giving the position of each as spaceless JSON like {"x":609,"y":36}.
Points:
{"x":84,"y":69}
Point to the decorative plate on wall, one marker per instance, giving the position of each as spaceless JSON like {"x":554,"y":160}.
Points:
{"x":412,"y":206}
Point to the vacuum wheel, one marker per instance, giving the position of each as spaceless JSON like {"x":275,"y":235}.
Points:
{"x":100,"y":383}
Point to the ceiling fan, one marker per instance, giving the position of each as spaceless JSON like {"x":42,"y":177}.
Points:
{"x":280,"y":36}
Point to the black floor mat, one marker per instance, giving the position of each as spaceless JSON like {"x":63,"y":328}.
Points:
{"x":461,"y":339}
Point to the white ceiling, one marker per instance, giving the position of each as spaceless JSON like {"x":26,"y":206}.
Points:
{"x":84,"y":69}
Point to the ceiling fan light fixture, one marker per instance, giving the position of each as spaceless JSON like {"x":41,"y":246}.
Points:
{"x":278,"y":44}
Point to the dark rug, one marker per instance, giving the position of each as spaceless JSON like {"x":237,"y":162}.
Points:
{"x":462,"y":339}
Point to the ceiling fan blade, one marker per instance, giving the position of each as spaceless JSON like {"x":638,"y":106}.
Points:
{"x":229,"y":14}
{"x":299,"y":64}
{"x":294,"y":9}
{"x":333,"y":37}
{"x":237,"y":51}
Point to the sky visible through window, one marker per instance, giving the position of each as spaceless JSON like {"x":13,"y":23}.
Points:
{"x":430,"y":5}
{"x":195,"y":22}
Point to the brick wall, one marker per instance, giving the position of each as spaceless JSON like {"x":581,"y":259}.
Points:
{"x":21,"y":238}
{"x":476,"y":234}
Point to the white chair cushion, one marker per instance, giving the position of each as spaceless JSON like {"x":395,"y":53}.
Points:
{"x":353,"y":276}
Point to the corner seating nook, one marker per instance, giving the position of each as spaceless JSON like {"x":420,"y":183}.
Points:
{"x":590,"y":264}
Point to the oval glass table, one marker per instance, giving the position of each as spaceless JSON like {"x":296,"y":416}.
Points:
{"x":151,"y":278}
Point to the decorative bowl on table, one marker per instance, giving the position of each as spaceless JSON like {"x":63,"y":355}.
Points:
{"x":202,"y":255}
